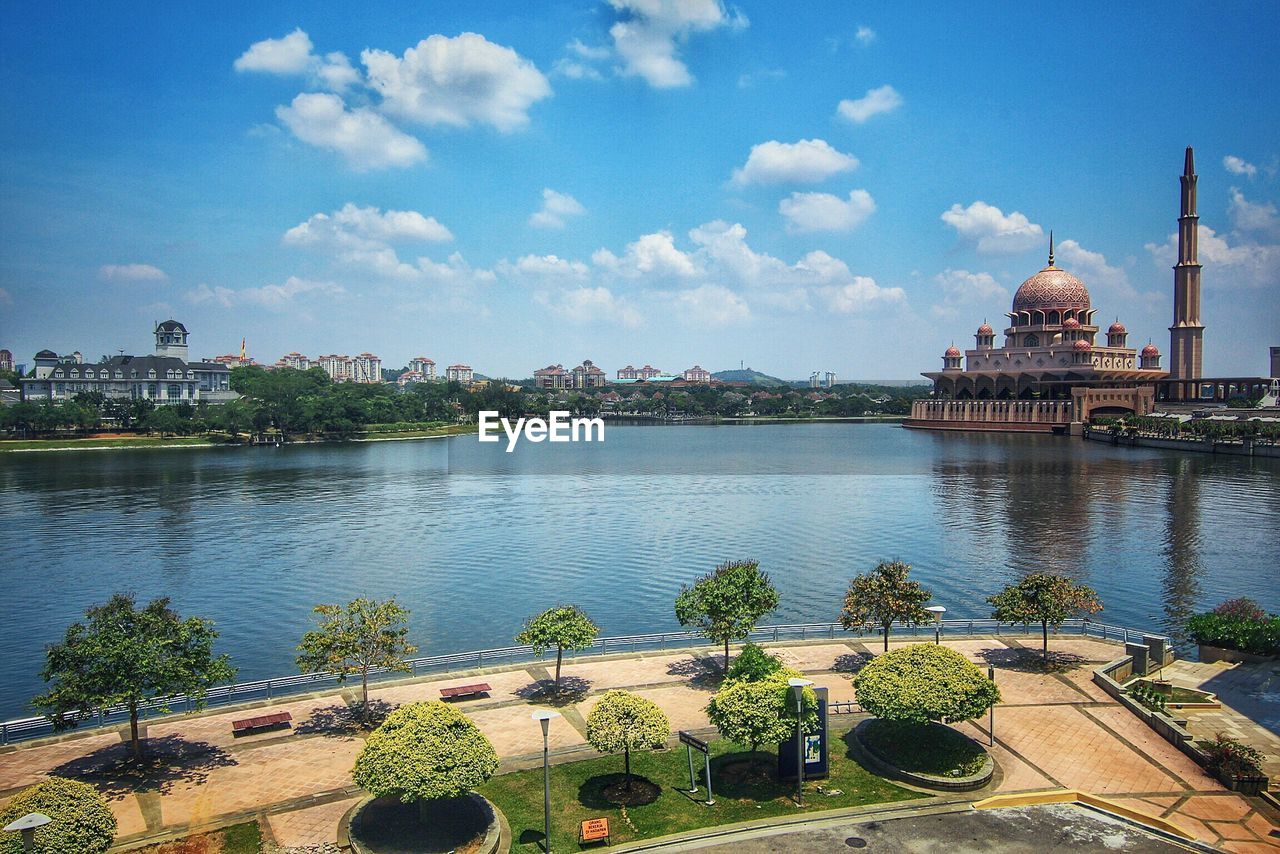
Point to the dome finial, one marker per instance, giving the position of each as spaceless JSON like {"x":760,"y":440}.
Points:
{"x":1051,"y":247}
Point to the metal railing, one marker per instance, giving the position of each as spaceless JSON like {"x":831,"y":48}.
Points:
{"x":20,"y":729}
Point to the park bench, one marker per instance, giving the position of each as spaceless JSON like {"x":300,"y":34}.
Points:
{"x":260,"y":722}
{"x":464,"y":691}
{"x":593,"y":830}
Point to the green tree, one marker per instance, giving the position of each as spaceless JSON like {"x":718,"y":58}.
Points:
{"x":356,"y":638}
{"x":726,"y":604}
{"x":923,"y":683}
{"x":125,"y":656}
{"x":82,"y":821}
{"x":1045,"y":598}
{"x":884,"y":596}
{"x":753,"y":664}
{"x":563,"y":627}
{"x":423,"y":752}
{"x":622,"y":721}
{"x":162,"y":420}
{"x":752,"y":713}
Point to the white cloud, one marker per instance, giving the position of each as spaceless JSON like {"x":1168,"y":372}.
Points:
{"x":809,"y":161}
{"x":268,"y":296}
{"x":651,"y":255}
{"x":1093,"y":268}
{"x":131,"y":273}
{"x":882,"y":100}
{"x":746,"y":81}
{"x":354,"y":227}
{"x":546,"y":267}
{"x":294,"y":55}
{"x":961,"y":288}
{"x":591,"y":306}
{"x":5,"y":299}
{"x":1239,"y":166}
{"x":288,"y":55}
{"x":647,"y":37}
{"x":1245,"y":263}
{"x":575,"y":70}
{"x":1255,"y":217}
{"x":555,"y":207}
{"x":457,"y":81}
{"x":865,"y":35}
{"x":709,"y":306}
{"x":994,"y":232}
{"x":364,"y":138}
{"x":825,"y":212}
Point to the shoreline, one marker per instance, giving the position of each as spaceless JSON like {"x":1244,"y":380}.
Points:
{"x":151,"y":444}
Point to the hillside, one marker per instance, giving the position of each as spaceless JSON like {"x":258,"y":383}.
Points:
{"x":747,"y":376}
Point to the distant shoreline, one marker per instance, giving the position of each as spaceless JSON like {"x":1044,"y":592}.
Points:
{"x":184,"y":443}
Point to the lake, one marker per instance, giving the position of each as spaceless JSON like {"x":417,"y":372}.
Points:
{"x":473,"y":539}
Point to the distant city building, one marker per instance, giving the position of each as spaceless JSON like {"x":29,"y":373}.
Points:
{"x":586,"y":375}
{"x":423,"y":365}
{"x":337,"y":367}
{"x":697,"y":374}
{"x":552,"y":377}
{"x":6,"y":360}
{"x":233,"y":360}
{"x":410,"y":377}
{"x":819,"y":379}
{"x":366,"y":368}
{"x":164,"y":378}
{"x":459,"y":373}
{"x":1275,"y":361}
{"x":630,"y":373}
{"x":296,"y":361}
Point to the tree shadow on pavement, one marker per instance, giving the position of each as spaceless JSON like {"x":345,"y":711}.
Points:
{"x":702,"y":673}
{"x":572,"y":690}
{"x":344,"y":720}
{"x":167,"y":761}
{"x":1028,"y":660}
{"x":852,"y":662}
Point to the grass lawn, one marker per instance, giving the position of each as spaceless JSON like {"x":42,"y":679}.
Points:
{"x":243,"y":838}
{"x":1179,"y":694}
{"x":936,"y":750}
{"x":576,"y":795}
{"x":118,"y":442}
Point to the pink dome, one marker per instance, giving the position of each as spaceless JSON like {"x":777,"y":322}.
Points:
{"x":1051,"y":288}
{"x":951,"y":352}
{"x":1117,"y":328}
{"x":1070,"y":323}
{"x":1151,"y":350}
{"x":985,"y":329}
{"x":1082,"y":346}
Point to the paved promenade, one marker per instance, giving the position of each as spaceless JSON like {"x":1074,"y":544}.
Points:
{"x":1052,"y":730}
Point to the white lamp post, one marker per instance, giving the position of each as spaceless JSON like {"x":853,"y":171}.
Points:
{"x":937,"y":611}
{"x":544,"y":716}
{"x":798,"y":686}
{"x":28,"y":825}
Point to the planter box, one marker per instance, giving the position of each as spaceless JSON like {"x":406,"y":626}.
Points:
{"x":1210,"y":654}
{"x":1245,"y":785}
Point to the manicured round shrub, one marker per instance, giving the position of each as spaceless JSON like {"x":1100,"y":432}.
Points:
{"x":82,"y":821}
{"x":923,"y":683}
{"x":425,"y":751}
{"x":622,"y":721}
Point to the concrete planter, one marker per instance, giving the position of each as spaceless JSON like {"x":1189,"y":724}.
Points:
{"x":1210,"y":654}
{"x":885,"y":768}
{"x":354,"y":833}
{"x":1244,"y":785}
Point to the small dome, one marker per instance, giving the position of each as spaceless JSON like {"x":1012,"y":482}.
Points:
{"x":1070,"y":323}
{"x":1151,"y":350}
{"x":985,"y":329}
{"x":952,"y":352}
{"x":1082,"y":346}
{"x":1117,"y":328}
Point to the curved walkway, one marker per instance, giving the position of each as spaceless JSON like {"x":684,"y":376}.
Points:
{"x":1052,"y":730}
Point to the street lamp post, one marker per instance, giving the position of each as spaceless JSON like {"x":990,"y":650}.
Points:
{"x":937,"y":611}
{"x":27,"y":826}
{"x":543,"y":717}
{"x":798,"y":686}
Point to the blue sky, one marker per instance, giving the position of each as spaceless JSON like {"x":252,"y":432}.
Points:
{"x":795,"y":186}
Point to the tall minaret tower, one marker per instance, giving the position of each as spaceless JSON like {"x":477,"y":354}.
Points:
{"x":1186,"y":336}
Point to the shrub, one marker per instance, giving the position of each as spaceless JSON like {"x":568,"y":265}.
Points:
{"x":425,"y":751}
{"x":82,"y":822}
{"x":753,"y":664}
{"x":1147,"y":695}
{"x":752,"y":713}
{"x":1232,"y":758}
{"x":1231,"y":626}
{"x":622,"y":721}
{"x":923,"y":683}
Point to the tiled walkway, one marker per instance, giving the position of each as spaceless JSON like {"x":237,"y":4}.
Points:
{"x":1052,"y":730}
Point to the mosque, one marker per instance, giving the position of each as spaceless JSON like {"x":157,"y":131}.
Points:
{"x":1051,"y":374}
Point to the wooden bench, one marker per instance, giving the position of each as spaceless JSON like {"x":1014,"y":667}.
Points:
{"x":593,"y":830}
{"x":464,"y":691}
{"x":261,"y":722}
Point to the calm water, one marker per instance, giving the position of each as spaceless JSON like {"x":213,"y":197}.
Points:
{"x":473,"y":539}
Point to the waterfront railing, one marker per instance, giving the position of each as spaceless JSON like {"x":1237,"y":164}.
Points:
{"x":23,"y":729}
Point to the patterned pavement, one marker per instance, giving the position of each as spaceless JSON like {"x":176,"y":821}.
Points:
{"x":1052,"y":730}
